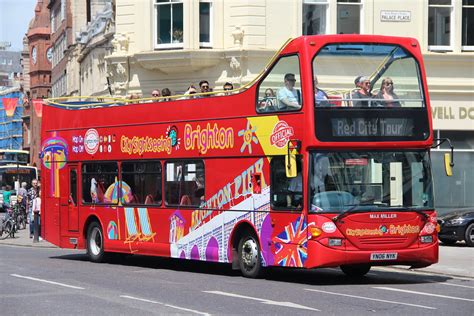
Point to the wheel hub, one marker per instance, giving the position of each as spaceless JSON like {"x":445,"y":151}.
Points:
{"x":249,"y":253}
{"x":96,"y":241}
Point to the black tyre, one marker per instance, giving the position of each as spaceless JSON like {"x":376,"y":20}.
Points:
{"x":250,"y":258}
{"x":95,"y":243}
{"x":355,"y":270}
{"x":447,"y":241}
{"x":469,"y":235}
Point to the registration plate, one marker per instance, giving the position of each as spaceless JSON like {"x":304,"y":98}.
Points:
{"x":383,"y":256}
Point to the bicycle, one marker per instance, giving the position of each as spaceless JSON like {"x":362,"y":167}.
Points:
{"x":8,"y":225}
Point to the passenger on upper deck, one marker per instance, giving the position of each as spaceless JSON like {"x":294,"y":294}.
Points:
{"x":227,"y":87}
{"x":363,"y":83}
{"x":320,"y":97}
{"x":386,"y":94}
{"x":166,"y":93}
{"x":269,"y":101}
{"x":289,"y":97}
{"x":204,"y":85}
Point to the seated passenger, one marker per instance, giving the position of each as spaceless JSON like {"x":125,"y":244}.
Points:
{"x":288,"y":97}
{"x":204,"y":86}
{"x":387,"y":94}
{"x":320,"y":97}
{"x":360,"y":98}
{"x":166,"y":93}
{"x":228,"y":87}
{"x":268,"y":102}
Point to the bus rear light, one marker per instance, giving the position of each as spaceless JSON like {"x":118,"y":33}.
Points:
{"x":426,"y":239}
{"x":315,"y":232}
{"x":438,"y":228}
{"x":334,"y":242}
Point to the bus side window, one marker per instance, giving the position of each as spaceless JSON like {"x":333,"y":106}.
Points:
{"x":280,"y":90}
{"x":185,"y":183}
{"x":285,"y":193}
{"x":143,"y":181}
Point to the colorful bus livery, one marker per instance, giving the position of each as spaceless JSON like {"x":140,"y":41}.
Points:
{"x":274,"y":174}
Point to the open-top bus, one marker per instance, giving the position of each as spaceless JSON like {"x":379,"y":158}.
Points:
{"x":270,"y":175}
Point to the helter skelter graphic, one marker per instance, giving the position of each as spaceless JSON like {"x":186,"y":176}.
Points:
{"x":54,"y":153}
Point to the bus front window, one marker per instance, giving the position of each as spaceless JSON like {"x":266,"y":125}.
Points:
{"x":366,"y":75}
{"x":370,"y":180}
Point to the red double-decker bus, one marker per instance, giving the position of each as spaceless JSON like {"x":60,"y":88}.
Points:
{"x":322,"y":161}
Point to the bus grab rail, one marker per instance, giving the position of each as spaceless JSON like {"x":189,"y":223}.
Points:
{"x":123,"y":101}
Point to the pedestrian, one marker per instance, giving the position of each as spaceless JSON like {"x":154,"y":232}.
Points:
{"x":31,"y":196}
{"x":6,"y":196}
{"x":37,"y":210}
{"x":23,"y":192}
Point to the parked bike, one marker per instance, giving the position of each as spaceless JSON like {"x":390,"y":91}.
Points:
{"x":8,"y":225}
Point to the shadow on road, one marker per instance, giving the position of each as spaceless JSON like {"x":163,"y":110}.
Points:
{"x":324,"y":276}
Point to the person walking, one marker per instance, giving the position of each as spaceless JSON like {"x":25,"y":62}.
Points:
{"x":36,"y":207}
{"x":31,"y":196}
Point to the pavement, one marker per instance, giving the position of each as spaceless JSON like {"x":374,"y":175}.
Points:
{"x":456,"y":260}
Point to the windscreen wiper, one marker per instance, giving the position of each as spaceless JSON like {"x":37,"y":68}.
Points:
{"x":353,"y":209}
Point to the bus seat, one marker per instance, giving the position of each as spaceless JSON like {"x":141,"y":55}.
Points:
{"x":185,"y":200}
{"x":149,"y":199}
{"x":335,"y":99}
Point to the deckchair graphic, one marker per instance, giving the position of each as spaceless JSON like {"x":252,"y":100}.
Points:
{"x":133,"y":234}
{"x":146,"y":232}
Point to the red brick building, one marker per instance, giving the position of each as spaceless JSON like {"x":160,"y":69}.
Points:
{"x":39,"y":46}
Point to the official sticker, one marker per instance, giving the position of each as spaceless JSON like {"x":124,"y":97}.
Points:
{"x":329,"y":227}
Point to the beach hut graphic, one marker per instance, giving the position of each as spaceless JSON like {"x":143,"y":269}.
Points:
{"x":176,"y":227}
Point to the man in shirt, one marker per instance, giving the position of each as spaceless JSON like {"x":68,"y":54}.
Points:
{"x":32,"y":194}
{"x":288,"y":97}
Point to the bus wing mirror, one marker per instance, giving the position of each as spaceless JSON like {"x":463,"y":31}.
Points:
{"x":294,"y":146}
{"x":290,"y":165}
{"x":448,"y":157}
{"x":448,"y":164}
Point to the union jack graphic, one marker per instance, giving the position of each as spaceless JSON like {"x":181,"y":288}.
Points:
{"x":291,"y":244}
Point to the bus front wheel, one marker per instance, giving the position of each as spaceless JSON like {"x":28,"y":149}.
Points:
{"x":250,"y":260}
{"x":95,"y":243}
{"x":355,"y":270}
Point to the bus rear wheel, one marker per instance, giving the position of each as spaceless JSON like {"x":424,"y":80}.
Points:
{"x":95,"y":243}
{"x":250,"y":260}
{"x":355,"y":270}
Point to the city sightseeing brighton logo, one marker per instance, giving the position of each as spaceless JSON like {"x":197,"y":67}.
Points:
{"x":281,"y":134}
{"x":91,"y":141}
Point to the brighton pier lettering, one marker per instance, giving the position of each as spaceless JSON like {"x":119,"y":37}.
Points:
{"x":208,"y":138}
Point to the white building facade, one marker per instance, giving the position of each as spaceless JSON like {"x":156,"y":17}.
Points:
{"x":174,"y":43}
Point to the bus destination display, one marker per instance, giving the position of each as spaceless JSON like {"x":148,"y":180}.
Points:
{"x":356,"y":127}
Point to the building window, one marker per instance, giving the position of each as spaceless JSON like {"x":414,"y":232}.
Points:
{"x":205,"y":22}
{"x":349,"y":19}
{"x":439,"y":24}
{"x":468,"y":25}
{"x":169,"y":24}
{"x":314,"y":17}
{"x":63,"y":9}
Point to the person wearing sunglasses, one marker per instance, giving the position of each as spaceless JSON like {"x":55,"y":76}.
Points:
{"x":228,"y":87}
{"x":362,"y":97}
{"x":386,"y":95}
{"x":289,"y":98}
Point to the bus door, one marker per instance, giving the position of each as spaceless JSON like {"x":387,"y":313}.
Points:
{"x":73,"y":209}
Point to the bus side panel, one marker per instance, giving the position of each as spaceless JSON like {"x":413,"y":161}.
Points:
{"x":51,"y":221}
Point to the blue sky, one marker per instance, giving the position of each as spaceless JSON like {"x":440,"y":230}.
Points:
{"x":14,"y":18}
